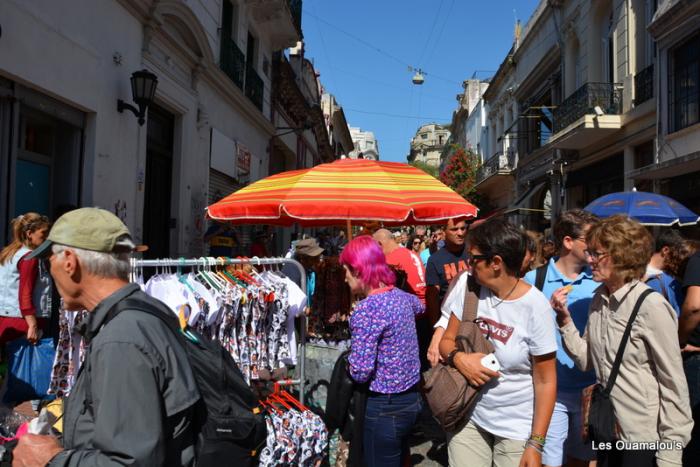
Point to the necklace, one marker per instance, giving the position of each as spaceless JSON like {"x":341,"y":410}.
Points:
{"x":501,"y":300}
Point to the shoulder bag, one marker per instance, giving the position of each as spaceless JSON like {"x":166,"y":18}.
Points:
{"x":447,"y":391}
{"x":599,"y":423}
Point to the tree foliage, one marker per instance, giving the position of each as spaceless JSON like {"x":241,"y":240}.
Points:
{"x":427,"y":168}
{"x":460,"y":171}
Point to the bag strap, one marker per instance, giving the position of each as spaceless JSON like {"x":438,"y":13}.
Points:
{"x":149,"y":308}
{"x":540,"y":276}
{"x":623,"y":343}
{"x":472,"y":290}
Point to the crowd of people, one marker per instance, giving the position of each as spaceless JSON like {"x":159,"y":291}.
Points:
{"x":555,"y":310}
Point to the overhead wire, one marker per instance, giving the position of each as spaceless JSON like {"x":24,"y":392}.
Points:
{"x":430,"y":34}
{"x":442,"y":29}
{"x":380,"y":51}
{"x":384,"y":114}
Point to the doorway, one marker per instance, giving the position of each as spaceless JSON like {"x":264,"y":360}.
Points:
{"x":157,"y":221}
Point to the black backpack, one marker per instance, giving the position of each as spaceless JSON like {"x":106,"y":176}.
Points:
{"x":228,"y":424}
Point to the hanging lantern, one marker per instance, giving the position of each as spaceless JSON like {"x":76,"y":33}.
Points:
{"x":418,"y":78}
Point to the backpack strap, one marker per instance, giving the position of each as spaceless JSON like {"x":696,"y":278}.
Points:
{"x":540,"y":276}
{"x":472,"y":290}
{"x":146,"y":307}
{"x":623,"y":343}
{"x":126,"y":304}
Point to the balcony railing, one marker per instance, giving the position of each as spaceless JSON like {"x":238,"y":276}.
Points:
{"x":498,"y":163}
{"x":254,"y":88}
{"x":607,"y":96}
{"x":644,"y":85}
{"x":295,"y":8}
{"x":232,"y":61}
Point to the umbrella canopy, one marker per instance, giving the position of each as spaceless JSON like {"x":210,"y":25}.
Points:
{"x":345,"y":190}
{"x":647,"y":208}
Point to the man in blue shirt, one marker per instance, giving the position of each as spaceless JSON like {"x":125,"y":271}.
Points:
{"x":570,"y":268}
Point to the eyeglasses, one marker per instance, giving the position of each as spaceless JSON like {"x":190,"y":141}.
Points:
{"x":595,"y":255}
{"x":417,"y":242}
{"x":473,"y":258}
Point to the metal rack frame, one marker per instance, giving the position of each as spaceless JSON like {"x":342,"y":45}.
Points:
{"x":205,"y":262}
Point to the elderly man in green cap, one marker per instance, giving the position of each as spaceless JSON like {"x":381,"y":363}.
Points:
{"x":133,"y":400}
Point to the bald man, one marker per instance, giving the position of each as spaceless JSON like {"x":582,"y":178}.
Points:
{"x":404,"y":260}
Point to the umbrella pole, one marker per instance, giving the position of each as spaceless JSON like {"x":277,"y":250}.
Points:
{"x":349,"y":227}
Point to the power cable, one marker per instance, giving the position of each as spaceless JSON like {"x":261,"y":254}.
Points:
{"x":442,"y":29}
{"x":381,"y":51}
{"x":430,"y":34}
{"x":383,"y":114}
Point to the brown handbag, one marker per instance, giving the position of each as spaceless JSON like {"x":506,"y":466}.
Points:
{"x":447,"y":391}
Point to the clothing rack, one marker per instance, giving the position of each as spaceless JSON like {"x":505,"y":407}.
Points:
{"x":205,"y":262}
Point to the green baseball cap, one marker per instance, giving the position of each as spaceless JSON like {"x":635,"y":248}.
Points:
{"x":89,"y":229}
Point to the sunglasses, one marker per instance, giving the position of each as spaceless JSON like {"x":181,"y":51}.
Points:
{"x":473,"y":258}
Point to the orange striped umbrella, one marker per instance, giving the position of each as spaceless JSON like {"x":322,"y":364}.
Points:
{"x":341,"y":191}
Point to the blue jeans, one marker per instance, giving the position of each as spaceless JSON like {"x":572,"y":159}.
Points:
{"x":389,"y":419}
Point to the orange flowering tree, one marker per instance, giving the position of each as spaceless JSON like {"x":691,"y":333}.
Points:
{"x":460,"y":172}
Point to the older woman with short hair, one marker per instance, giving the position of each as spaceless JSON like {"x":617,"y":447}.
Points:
{"x":384,"y":352}
{"x":650,"y":394}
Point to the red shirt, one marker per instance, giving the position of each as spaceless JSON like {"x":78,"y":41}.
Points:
{"x":410,"y":263}
{"x":28,"y":272}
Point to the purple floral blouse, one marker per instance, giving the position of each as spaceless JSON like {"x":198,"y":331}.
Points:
{"x":384,"y":343}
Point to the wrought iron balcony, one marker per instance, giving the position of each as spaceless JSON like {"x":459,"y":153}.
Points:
{"x":232,"y":61}
{"x":607,"y":96}
{"x":498,"y":164}
{"x":644,"y":85}
{"x":254,"y":88}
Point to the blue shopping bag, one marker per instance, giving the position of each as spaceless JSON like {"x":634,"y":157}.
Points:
{"x":29,"y":370}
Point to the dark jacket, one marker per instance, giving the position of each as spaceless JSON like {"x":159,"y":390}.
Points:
{"x":133,"y":400}
{"x":345,"y":409}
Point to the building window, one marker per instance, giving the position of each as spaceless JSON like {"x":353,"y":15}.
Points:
{"x":685,"y":85}
{"x":424,"y":136}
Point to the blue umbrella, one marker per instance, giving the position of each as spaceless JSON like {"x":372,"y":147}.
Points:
{"x":647,"y":208}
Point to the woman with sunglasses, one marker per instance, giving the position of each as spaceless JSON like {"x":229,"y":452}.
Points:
{"x":650,"y":394}
{"x":509,"y":422}
{"x":415,"y":244}
{"x":384,"y":352}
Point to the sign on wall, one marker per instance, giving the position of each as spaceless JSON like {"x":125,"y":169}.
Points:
{"x":243,"y":162}
{"x":223,"y":156}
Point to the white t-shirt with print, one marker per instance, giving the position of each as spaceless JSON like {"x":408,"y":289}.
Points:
{"x":518,"y":329}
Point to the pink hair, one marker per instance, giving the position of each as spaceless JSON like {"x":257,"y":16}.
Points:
{"x":367,"y":262}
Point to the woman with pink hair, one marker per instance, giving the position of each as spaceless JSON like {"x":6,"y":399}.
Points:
{"x":384,"y":352}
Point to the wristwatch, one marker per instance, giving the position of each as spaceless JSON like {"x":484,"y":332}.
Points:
{"x":451,"y":357}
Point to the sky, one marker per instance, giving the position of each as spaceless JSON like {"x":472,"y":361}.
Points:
{"x":363,"y":49}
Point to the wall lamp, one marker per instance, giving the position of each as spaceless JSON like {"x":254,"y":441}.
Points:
{"x":143,"y":90}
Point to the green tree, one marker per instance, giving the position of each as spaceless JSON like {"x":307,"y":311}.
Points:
{"x":460,"y":172}
{"x":429,"y":169}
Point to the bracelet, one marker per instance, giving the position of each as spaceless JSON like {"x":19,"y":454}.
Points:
{"x":451,"y":357}
{"x":539,"y":439}
{"x":532,"y":444}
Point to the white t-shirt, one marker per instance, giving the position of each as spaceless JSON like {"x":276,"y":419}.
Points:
{"x":297,"y":303}
{"x":519,"y":329}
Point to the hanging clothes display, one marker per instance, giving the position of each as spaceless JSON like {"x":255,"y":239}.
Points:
{"x":250,"y":313}
{"x":295,"y":435}
{"x":70,"y":351}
